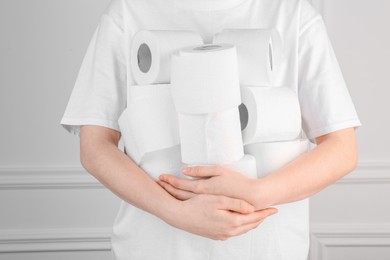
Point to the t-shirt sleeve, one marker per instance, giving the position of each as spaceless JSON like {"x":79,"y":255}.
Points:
{"x":326,"y":104}
{"x":99,"y":93}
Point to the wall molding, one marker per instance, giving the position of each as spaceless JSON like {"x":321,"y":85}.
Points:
{"x":368,"y":173}
{"x":51,"y":240}
{"x":326,"y":236}
{"x":75,"y":177}
{"x":46,"y":177}
{"x":323,"y":237}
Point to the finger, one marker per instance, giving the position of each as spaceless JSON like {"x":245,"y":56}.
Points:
{"x":253,"y":217}
{"x":236,"y":205}
{"x":204,"y":171}
{"x":179,"y":194}
{"x":180,"y":183}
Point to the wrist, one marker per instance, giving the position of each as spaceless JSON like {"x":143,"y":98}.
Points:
{"x":262,"y":194}
{"x":170,"y":211}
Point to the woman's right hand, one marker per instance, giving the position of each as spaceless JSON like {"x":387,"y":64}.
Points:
{"x":217,"y":217}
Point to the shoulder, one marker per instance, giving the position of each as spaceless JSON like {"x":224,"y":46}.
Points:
{"x":307,"y":14}
{"x":302,"y":10}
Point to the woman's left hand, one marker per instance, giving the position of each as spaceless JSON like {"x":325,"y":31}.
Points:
{"x":215,"y":179}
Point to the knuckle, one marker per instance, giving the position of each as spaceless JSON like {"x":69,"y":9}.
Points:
{"x":221,"y":237}
{"x":229,"y":233}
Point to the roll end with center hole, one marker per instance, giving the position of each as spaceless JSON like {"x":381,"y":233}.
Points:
{"x":144,"y":57}
{"x":244,"y":116}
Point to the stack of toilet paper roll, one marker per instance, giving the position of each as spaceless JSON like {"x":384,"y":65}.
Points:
{"x":206,"y":94}
{"x":203,"y":104}
{"x":270,"y":115}
{"x":157,"y":137}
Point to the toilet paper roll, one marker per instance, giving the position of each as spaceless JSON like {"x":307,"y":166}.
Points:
{"x":204,"y":79}
{"x":211,"y":138}
{"x":245,"y":166}
{"x":154,"y":163}
{"x":151,"y":51}
{"x":152,"y":118}
{"x":167,"y":161}
{"x":274,"y":155}
{"x":269,"y":114}
{"x":259,"y":53}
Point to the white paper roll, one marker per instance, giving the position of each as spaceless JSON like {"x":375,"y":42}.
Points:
{"x":274,"y":155}
{"x":127,"y":137}
{"x":152,"y":118}
{"x":211,"y":138}
{"x":204,"y":79}
{"x":259,"y":53}
{"x":269,"y":114}
{"x":163,"y":161}
{"x":151,"y":51}
{"x":154,"y":163}
{"x":245,"y":166}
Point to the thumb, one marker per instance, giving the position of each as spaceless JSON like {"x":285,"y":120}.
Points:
{"x":237,"y":205}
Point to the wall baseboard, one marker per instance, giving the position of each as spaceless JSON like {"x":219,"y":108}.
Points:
{"x":51,"y":240}
{"x":68,"y":177}
{"x":326,"y":236}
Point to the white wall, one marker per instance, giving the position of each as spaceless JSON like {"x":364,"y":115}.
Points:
{"x":351,"y":219}
{"x":52,"y":209}
{"x":49,"y":207}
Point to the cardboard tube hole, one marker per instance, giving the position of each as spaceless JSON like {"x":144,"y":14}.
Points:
{"x":244,"y":115}
{"x":144,"y":57}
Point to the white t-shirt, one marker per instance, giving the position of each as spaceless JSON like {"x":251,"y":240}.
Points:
{"x":310,"y":68}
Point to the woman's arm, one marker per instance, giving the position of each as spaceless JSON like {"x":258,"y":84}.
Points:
{"x":335,"y":155}
{"x":216,"y":217}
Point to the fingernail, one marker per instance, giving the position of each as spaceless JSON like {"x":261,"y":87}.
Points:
{"x":186,"y":170}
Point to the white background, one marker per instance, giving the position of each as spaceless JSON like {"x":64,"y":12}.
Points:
{"x":50,"y":208}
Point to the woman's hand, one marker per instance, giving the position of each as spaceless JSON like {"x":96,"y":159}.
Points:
{"x":216,"y":180}
{"x":217,"y":217}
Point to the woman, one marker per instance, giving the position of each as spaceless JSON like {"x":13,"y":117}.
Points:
{"x":182,"y":219}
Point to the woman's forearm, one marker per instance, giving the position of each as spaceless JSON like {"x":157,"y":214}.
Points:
{"x":333,"y":157}
{"x":102,"y":159}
